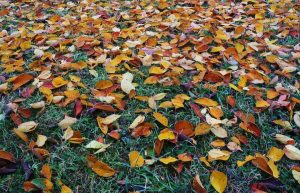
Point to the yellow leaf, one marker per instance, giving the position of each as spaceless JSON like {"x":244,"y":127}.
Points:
{"x":177,"y":102}
{"x":285,"y":124}
{"x":262,"y":103}
{"x":157,"y":70}
{"x":222,"y":35}
{"x":274,"y":168}
{"x":204,"y":160}
{"x":235,"y":87}
{"x":206,"y":102}
{"x":168,"y":160}
{"x":136,"y":160}
{"x":65,"y":189}
{"x":247,"y":159}
{"x":59,"y":81}
{"x":41,"y":140}
{"x":166,"y":134}
{"x":25,"y":45}
{"x":161,"y":118}
{"x":218,"y":180}
{"x":239,"y":47}
{"x":46,"y":171}
{"x":217,"y":49}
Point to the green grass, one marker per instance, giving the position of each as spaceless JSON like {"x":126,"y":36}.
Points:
{"x":69,"y":163}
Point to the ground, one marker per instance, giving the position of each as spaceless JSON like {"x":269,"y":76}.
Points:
{"x":197,"y":49}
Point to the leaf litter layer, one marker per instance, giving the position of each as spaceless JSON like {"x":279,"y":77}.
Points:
{"x":149,"y":96}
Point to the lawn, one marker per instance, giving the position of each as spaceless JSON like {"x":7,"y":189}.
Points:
{"x":149,"y":96}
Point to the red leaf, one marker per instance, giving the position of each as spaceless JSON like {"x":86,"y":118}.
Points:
{"x":27,"y":92}
{"x":77,"y":108}
{"x":26,"y":113}
{"x":252,"y":128}
{"x":16,"y":118}
{"x":197,"y":111}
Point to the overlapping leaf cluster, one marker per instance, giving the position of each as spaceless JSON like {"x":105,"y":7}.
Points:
{"x":49,"y":47}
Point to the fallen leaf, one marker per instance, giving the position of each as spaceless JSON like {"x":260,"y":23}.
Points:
{"x":206,"y":102}
{"x":21,"y":80}
{"x":218,"y":180}
{"x":67,"y":122}
{"x":27,"y":126}
{"x":292,"y":152}
{"x":136,"y":160}
{"x":167,"y":160}
{"x":161,"y":118}
{"x":197,"y":185}
{"x":99,"y":167}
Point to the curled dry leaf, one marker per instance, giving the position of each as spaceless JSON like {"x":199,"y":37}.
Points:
{"x":67,"y":122}
{"x":284,"y":139}
{"x":197,"y":185}
{"x":41,"y":140}
{"x":27,"y":126}
{"x":269,"y":167}
{"x":296,"y":175}
{"x":38,"y":105}
{"x":126,"y":83}
{"x":137,"y":121}
{"x":292,"y":152}
{"x":101,"y":147}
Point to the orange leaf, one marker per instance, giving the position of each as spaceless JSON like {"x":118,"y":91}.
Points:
{"x":136,"y":160}
{"x":185,"y":128}
{"x":46,"y":171}
{"x":21,"y":80}
{"x":99,"y":167}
